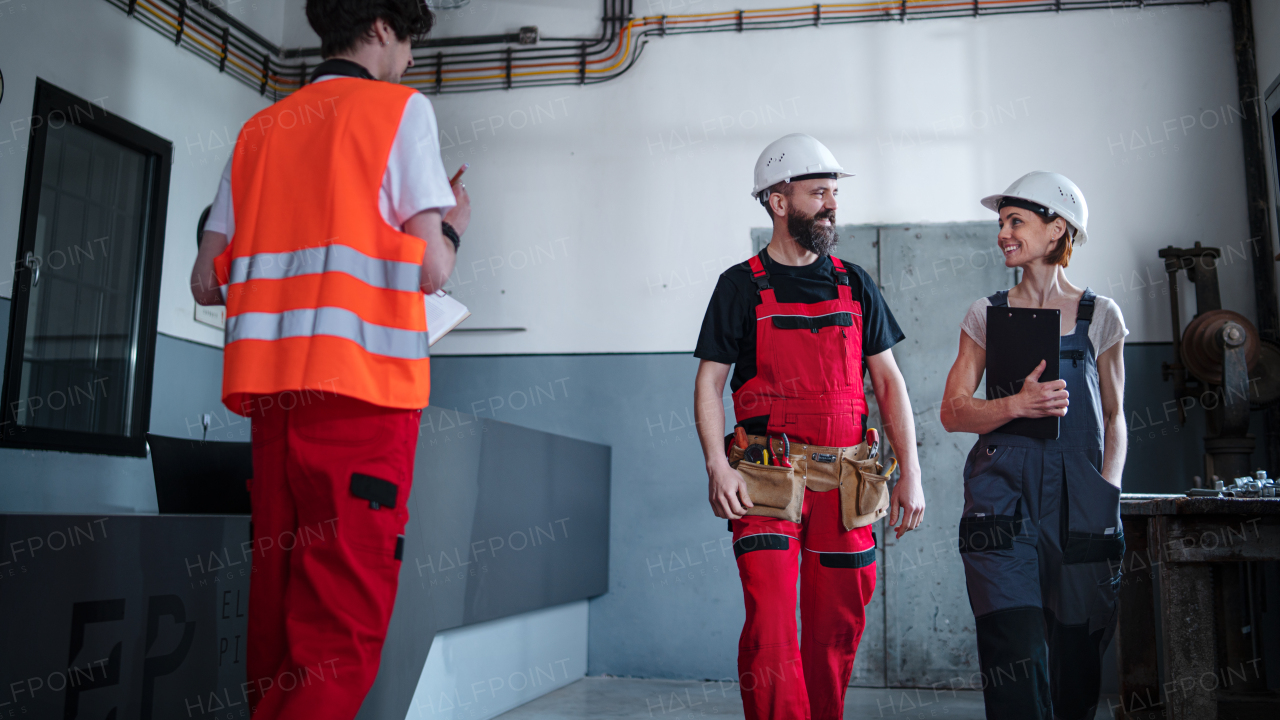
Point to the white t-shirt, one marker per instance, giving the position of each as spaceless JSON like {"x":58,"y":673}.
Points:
{"x":414,"y":181}
{"x":1106,"y":329}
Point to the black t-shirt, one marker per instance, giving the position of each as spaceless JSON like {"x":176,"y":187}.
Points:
{"x":729,"y":328}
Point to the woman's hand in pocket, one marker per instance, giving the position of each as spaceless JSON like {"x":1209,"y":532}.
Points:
{"x":727,"y":491}
{"x":1037,"y":399}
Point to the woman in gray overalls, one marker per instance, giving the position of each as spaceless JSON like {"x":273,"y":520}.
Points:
{"x":1040,"y":533}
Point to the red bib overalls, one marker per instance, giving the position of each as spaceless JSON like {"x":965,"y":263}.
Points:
{"x":809,"y":382}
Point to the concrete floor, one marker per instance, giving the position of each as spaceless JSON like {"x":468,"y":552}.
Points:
{"x":602,"y":698}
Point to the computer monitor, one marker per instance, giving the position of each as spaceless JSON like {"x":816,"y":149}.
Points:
{"x":196,"y":477}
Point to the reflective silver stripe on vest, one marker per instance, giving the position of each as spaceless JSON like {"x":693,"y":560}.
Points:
{"x":389,"y":274}
{"x":338,"y":322}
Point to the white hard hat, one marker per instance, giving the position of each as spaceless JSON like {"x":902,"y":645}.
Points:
{"x":792,"y":156}
{"x":1055,"y":192}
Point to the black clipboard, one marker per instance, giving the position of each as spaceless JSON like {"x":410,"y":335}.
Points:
{"x":1017,"y":340}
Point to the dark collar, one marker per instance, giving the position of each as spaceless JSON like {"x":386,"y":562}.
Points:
{"x":338,"y":66}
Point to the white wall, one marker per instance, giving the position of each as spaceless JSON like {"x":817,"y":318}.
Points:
{"x":92,"y":49}
{"x":266,"y":17}
{"x":618,"y":189}
{"x":297,"y":32}
{"x":554,"y":18}
{"x":480,"y":671}
{"x":590,"y":200}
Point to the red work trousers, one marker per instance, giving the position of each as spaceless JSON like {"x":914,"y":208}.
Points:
{"x":780,"y":678}
{"x":325,"y":566}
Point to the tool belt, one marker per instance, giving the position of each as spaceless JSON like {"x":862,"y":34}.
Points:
{"x":779,"y":491}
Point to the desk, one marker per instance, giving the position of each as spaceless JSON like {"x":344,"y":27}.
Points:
{"x":1184,"y":556}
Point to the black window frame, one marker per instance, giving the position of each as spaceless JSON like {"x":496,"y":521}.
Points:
{"x":52,"y":104}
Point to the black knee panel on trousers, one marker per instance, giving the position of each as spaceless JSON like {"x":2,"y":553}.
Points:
{"x":1014,"y":660}
{"x":1075,"y":668}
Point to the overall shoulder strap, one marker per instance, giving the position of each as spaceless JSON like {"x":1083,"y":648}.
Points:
{"x":760,"y":277}
{"x":842,"y":273}
{"x":1085,"y":312}
{"x":999,"y":298}
{"x":842,"y":279}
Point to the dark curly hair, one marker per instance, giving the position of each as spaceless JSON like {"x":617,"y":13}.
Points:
{"x":342,"y":23}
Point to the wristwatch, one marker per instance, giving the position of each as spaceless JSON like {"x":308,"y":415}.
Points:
{"x":452,"y":234}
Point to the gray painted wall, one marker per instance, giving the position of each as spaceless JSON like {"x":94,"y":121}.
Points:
{"x":674,"y":608}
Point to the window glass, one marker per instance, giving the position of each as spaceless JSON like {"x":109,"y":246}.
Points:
{"x":82,"y":315}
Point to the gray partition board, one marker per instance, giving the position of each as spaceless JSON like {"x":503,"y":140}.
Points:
{"x":146,"y":613}
{"x":930,"y":274}
{"x":504,"y":520}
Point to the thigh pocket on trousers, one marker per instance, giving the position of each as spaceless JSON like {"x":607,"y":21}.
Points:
{"x":992,"y":515}
{"x":375,"y":523}
{"x":1092,"y":505}
{"x":981,"y":532}
{"x":1082,"y":547}
{"x":774,"y":491}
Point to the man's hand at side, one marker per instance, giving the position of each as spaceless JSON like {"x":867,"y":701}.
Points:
{"x":727,"y":491}
{"x":906,"y":503}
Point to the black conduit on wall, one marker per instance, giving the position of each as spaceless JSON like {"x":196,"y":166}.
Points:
{"x":503,"y":62}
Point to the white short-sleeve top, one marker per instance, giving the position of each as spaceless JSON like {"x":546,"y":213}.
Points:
{"x":1106,"y":329}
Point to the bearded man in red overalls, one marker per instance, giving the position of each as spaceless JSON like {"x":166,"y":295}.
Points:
{"x":797,"y":325}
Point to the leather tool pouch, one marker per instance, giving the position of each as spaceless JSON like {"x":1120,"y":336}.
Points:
{"x":775,"y":491}
{"x":864,"y":492}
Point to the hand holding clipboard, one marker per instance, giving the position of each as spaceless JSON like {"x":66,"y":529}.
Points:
{"x":1043,"y":399}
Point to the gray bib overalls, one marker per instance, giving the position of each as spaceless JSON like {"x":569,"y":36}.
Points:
{"x":1041,"y":541}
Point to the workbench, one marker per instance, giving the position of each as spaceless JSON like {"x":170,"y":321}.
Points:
{"x":1184,"y":649}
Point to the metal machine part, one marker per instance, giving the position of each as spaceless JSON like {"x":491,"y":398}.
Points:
{"x":1202,"y":349}
{"x":1256,"y":486}
{"x":1215,"y":356}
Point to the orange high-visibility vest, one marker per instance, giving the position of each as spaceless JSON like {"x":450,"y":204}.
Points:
{"x":322,"y":293}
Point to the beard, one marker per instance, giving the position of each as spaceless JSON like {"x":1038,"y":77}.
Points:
{"x":810,"y":234}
